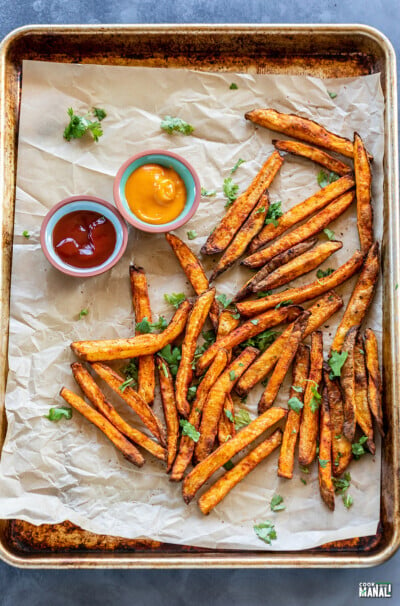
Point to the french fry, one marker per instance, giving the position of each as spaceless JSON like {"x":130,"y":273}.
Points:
{"x":361,"y":297}
{"x":141,"y":307}
{"x":303,"y":211}
{"x":195,"y":323}
{"x":299,"y":266}
{"x":301,"y":367}
{"x":129,"y":451}
{"x":141,"y":345}
{"x":363,"y":413}
{"x":94,"y":394}
{"x":132,"y":398}
{"x":301,"y":128}
{"x":214,"y":404}
{"x":313,"y":153}
{"x":230,"y":479}
{"x":206,"y":468}
{"x":306,"y":292}
{"x":363,"y":176}
{"x":320,"y":312}
{"x":347,"y":382}
{"x":283,"y":363}
{"x":193,"y":270}
{"x":244,"y":236}
{"x":226,"y":323}
{"x":170,"y":410}
{"x":248,"y":329}
{"x":341,"y":447}
{"x":186,"y":446}
{"x":226,"y":426}
{"x":312,"y":227}
{"x":374,"y":378}
{"x":237,"y":214}
{"x":325,"y":455}
{"x":309,"y":421}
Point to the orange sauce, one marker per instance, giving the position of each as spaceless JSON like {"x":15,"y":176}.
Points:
{"x":155,"y":194}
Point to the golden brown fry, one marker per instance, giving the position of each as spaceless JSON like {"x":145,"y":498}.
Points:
{"x":141,"y":307}
{"x":226,"y":323}
{"x":312,"y":227}
{"x":237,"y":214}
{"x":244,"y":236}
{"x":301,"y":367}
{"x":132,"y":398}
{"x":301,"y":128}
{"x":187,"y":445}
{"x":363,"y":176}
{"x":142,"y":345}
{"x":93,"y":392}
{"x":313,"y":153}
{"x":129,"y":451}
{"x":195,"y":323}
{"x":303,"y":210}
{"x":306,"y":292}
{"x":193,"y":270}
{"x":248,"y":329}
{"x":325,"y":455}
{"x":282,"y":365}
{"x":347,"y":382}
{"x":204,"y":470}
{"x":309,"y":422}
{"x":224,"y":485}
{"x":170,"y":410}
{"x":363,"y":413}
{"x":374,"y":378}
{"x":341,"y":447}
{"x":361,"y":297}
{"x":214,"y":404}
{"x":299,"y":266}
{"x":320,"y":312}
{"x":226,"y":427}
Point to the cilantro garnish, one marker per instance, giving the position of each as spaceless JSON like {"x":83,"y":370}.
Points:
{"x":295,"y":404}
{"x":189,"y":430}
{"x":224,"y":300}
{"x":228,"y":465}
{"x":145,"y":326}
{"x":131,"y":373}
{"x":191,"y":393}
{"x":233,"y":86}
{"x":242,"y":418}
{"x":297,"y":389}
{"x":262,"y":340}
{"x":229,"y":415}
{"x":192,"y":234}
{"x":329,"y":233}
{"x":175,"y":299}
{"x":232,"y":375}
{"x":79,"y":125}
{"x":323,"y":273}
{"x":208,"y":193}
{"x":347,"y":501}
{"x":83,"y":313}
{"x":325,"y":179}
{"x":172,"y":356}
{"x":58,"y":413}
{"x":342,"y":484}
{"x":336,"y":362}
{"x":173,"y":125}
{"x":230,"y":190}
{"x":266,"y":532}
{"x":323,"y":463}
{"x":284,"y":304}
{"x":316,"y":398}
{"x":276,"y":503}
{"x":263,"y":293}
{"x":26,"y":234}
{"x":99,"y":113}
{"x":332,"y":95}
{"x":237,"y":164}
{"x":273,"y":214}
{"x":358,"y":449}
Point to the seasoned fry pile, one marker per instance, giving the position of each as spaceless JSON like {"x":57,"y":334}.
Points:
{"x":260,"y":336}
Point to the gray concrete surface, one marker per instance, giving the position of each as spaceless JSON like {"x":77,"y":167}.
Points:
{"x":216,"y":588}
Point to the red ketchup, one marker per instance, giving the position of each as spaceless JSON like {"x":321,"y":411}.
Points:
{"x":84,"y":238}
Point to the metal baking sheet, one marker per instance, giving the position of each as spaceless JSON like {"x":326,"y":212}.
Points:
{"x":317,"y":50}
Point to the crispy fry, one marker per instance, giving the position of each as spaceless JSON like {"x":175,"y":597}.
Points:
{"x":226,"y":323}
{"x":132,"y":398}
{"x":309,"y":421}
{"x":187,"y":445}
{"x":363,"y":413}
{"x":193,"y":270}
{"x":213,"y":406}
{"x":120,"y":349}
{"x":283,"y":363}
{"x":313,"y":153}
{"x":320,"y":312}
{"x":248,"y":329}
{"x":361,"y":297}
{"x":93,"y":392}
{"x":301,"y":367}
{"x":244,"y":236}
{"x":325,"y":455}
{"x":306,"y":292}
{"x":301,"y":128}
{"x":237,"y":214}
{"x":224,"y":485}
{"x":141,"y":307}
{"x":312,"y":227}
{"x":347,"y":382}
{"x":341,"y":447}
{"x":226,"y":427}
{"x":204,"y":470}
{"x":129,"y":451}
{"x":303,"y":211}
{"x":195,"y":323}
{"x":299,"y":266}
{"x":363,"y":176}
{"x":374,"y":378}
{"x":170,"y":410}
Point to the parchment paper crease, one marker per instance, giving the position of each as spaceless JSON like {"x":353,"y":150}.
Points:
{"x":52,"y":472}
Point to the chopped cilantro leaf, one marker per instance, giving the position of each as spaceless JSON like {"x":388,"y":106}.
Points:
{"x":164,"y":369}
{"x":276,"y":503}
{"x":323,"y":463}
{"x":83,"y":313}
{"x":207,"y":193}
{"x":325,"y":179}
{"x":263,"y":293}
{"x":242,"y":418}
{"x":332,"y":95}
{"x":316,"y":398}
{"x":347,"y":501}
{"x":229,"y":415}
{"x":323,"y":273}
{"x":176,"y":125}
{"x":189,"y":430}
{"x":26,"y":234}
{"x":295,"y":404}
{"x":266,"y":532}
{"x":255,"y":322}
{"x":262,"y":340}
{"x":329,"y":233}
{"x":284,"y":304}
{"x":233,"y":86}
{"x":191,"y":393}
{"x":237,"y":164}
{"x":358,"y":449}
{"x":342,"y":484}
{"x":260,"y":210}
{"x":145,"y":326}
{"x":228,"y":465}
{"x":230,"y":190}
{"x":99,"y":113}
{"x":172,"y":356}
{"x":79,"y":125}
{"x":223,"y":299}
{"x":304,"y":469}
{"x":336,"y":362}
{"x":192,"y":234}
{"x":175,"y":299}
{"x":58,"y":413}
{"x":302,"y":480}
{"x":232,"y":375}
{"x":297,"y":389}
{"x":273,"y":214}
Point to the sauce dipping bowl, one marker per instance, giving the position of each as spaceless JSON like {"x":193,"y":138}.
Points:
{"x":83,"y":203}
{"x":167,"y":159}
